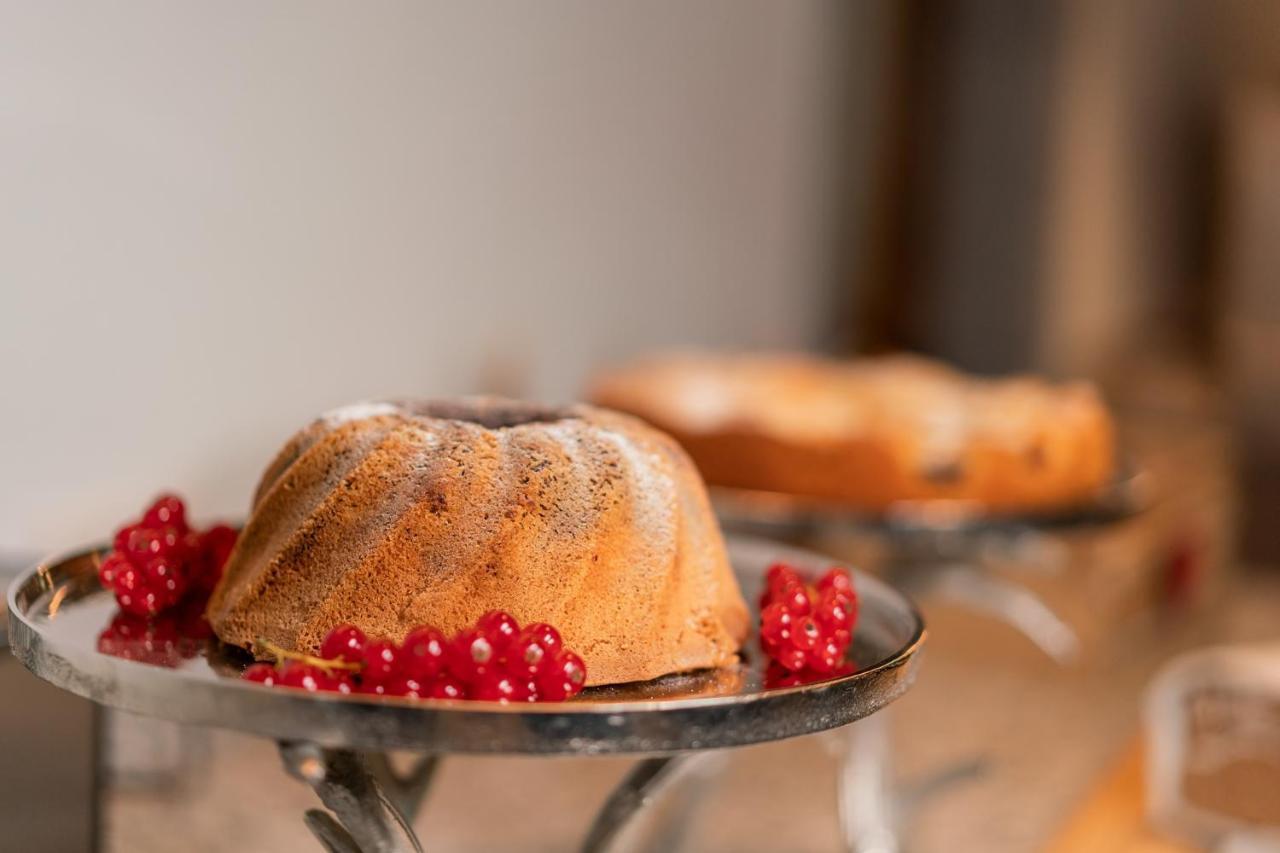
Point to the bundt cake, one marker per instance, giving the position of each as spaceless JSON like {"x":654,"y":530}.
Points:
{"x":391,"y":515}
{"x":872,"y":433}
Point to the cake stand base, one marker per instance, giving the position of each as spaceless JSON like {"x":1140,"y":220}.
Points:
{"x":371,"y":806}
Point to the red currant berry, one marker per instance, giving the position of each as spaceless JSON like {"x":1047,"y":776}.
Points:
{"x":402,"y":685}
{"x":500,"y":628}
{"x":143,"y":602}
{"x":217,"y":543}
{"x":806,"y":634}
{"x":164,"y":577}
{"x":122,"y":537}
{"x":423,"y":653}
{"x":471,"y":656}
{"x":564,"y":678}
{"x":834,"y":610}
{"x":167,"y":511}
{"x":345,"y":642}
{"x":370,"y":688}
{"x":144,"y":543}
{"x":446,"y":687}
{"x":262,"y":673}
{"x":499,"y":687}
{"x":303,"y":676}
{"x":134,"y":595}
{"x":791,"y":658}
{"x":534,"y":650}
{"x":776,"y":675}
{"x":826,"y":656}
{"x":128,"y":579}
{"x":780,"y":575}
{"x":838,"y":579}
{"x":775,"y":626}
{"x":794,"y":597}
{"x":381,"y":662}
{"x":110,"y":567}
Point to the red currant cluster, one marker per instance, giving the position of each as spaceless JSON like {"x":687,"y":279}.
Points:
{"x":495,"y":661}
{"x":807,"y":629}
{"x":159,"y":560}
{"x":165,"y":640}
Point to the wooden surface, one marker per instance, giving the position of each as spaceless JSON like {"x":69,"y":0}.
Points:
{"x":1111,"y":818}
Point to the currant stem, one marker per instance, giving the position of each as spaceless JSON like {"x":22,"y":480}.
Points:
{"x":282,"y":654}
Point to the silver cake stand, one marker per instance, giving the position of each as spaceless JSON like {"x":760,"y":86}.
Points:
{"x":942,"y":548}
{"x":339,"y":745}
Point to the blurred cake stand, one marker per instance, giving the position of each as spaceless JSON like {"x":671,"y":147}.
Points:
{"x":339,"y":744}
{"x":938,"y":548}
{"x":941,"y":548}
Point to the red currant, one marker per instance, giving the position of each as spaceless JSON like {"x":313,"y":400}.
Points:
{"x":128,"y":579}
{"x":838,"y":579}
{"x":794,"y":597}
{"x":167,"y":511}
{"x":373,"y":689}
{"x":304,"y":676}
{"x":564,"y":678}
{"x":499,"y":628}
{"x":533,"y":650}
{"x":835,"y":610}
{"x":345,"y":642}
{"x":135,"y":596}
{"x":826,"y":656}
{"x":806,"y":634}
{"x":262,"y":673}
{"x":775,"y":626}
{"x":122,"y":537}
{"x":405,"y":686}
{"x":471,"y":656}
{"x":499,"y":687}
{"x":780,"y":575}
{"x":110,"y":567}
{"x":791,"y":658}
{"x":164,"y":577}
{"x":217,"y":543}
{"x":143,"y":543}
{"x":446,"y":687}
{"x":423,"y":653}
{"x":776,"y":675}
{"x":381,"y":662}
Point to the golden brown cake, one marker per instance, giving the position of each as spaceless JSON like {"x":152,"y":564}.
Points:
{"x":875,"y":432}
{"x":391,"y":515}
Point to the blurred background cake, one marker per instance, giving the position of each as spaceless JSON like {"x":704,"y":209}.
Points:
{"x":874,"y":432}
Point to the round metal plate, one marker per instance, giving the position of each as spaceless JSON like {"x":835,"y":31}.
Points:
{"x":58,"y":611}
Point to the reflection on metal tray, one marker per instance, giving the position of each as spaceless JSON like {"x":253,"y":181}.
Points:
{"x":58,"y":611}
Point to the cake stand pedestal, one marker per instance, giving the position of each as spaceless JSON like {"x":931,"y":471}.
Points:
{"x":340,"y":745}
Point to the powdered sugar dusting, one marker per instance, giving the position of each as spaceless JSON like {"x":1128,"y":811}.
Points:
{"x":356,"y":412}
{"x":651,"y":483}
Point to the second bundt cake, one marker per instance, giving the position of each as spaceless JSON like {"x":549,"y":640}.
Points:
{"x":392,"y":515}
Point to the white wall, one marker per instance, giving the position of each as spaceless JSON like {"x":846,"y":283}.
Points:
{"x":217,"y":219}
